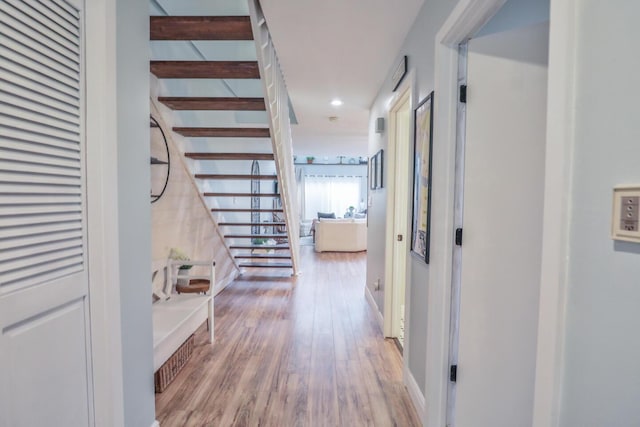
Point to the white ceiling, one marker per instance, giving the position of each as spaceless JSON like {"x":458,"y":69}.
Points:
{"x":327,"y":49}
{"x":336,"y":49}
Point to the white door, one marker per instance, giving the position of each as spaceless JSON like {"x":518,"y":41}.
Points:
{"x":44,"y":336}
{"x":398,"y":194}
{"x":501,"y":248}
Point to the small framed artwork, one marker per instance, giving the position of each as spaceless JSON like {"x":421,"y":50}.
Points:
{"x":423,"y":144}
{"x":372,"y":172}
{"x":379,"y":168}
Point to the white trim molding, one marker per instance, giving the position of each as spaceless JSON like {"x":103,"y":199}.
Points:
{"x":102,"y":205}
{"x":403,"y":94}
{"x":415,"y":394}
{"x":220,"y":286}
{"x":556,"y":215}
{"x":374,"y":306}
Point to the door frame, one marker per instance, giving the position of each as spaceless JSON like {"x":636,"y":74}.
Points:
{"x":102,"y":208}
{"x":392,"y":257}
{"x":468,"y":17}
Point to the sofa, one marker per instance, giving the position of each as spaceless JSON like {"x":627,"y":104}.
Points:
{"x":341,"y":235}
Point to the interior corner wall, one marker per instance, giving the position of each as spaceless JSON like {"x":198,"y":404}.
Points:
{"x":179,"y":218}
{"x":601,"y":381}
{"x":419,"y":48}
{"x":516,"y":14}
{"x":134,"y":217}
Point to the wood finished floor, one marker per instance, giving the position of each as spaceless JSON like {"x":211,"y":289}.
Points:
{"x":292,"y":352}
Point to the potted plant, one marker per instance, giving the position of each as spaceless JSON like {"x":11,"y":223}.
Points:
{"x":183,"y":270}
{"x":310,"y":159}
{"x":259,"y":240}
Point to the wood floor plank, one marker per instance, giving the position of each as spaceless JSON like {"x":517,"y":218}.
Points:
{"x":304,"y":351}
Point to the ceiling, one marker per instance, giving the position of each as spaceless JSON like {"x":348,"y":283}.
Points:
{"x":336,"y":49}
{"x":327,"y":49}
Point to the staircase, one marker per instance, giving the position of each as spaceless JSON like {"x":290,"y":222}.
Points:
{"x":229,"y":131}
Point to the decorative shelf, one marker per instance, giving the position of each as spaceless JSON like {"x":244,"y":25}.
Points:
{"x":330,"y":164}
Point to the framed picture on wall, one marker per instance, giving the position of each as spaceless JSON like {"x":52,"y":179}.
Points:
{"x":372,"y":172}
{"x":423,"y":144}
{"x":379,"y":168}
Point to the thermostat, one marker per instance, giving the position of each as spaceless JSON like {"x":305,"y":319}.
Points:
{"x":625,"y":224}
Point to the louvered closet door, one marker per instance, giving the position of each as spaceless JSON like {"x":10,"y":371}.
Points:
{"x":44,"y":335}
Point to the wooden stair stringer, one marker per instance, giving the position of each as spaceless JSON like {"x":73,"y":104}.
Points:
{"x":277,"y":107}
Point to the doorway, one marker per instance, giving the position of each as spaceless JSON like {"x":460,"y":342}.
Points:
{"x":398,"y":154}
{"x":502,"y":192}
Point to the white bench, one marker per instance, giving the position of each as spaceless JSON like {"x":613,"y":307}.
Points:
{"x":175,"y":319}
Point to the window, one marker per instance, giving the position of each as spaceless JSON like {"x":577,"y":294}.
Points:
{"x":330,"y":194}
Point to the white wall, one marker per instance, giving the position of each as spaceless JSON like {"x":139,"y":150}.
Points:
{"x":601,"y":380}
{"x":134,"y":217}
{"x":516,"y":14}
{"x":419,"y":47}
{"x":180,"y":218}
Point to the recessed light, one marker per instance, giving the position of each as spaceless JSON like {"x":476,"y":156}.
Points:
{"x":336,"y":102}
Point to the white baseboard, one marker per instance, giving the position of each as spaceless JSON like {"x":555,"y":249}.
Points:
{"x":416,"y":395}
{"x":155,"y":424}
{"x":220,"y":286}
{"x":372,"y":303}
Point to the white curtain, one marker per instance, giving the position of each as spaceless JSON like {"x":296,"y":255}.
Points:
{"x":330,"y":194}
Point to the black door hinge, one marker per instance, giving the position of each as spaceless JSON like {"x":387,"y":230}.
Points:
{"x":459,"y":236}
{"x":453,"y":373}
{"x":463,"y":94}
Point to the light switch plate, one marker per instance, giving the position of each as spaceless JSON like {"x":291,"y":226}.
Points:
{"x":625,"y":222}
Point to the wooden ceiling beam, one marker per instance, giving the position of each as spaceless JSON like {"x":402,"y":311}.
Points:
{"x":229,"y":156}
{"x":213,"y":104}
{"x":223,"y":132}
{"x":205,"y":69}
{"x":200,"y":28}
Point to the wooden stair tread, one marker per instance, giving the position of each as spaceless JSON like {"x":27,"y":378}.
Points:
{"x":265,"y":265}
{"x":254,"y":236}
{"x":243,"y":195}
{"x":229,"y":156}
{"x":262,"y":256}
{"x":205,"y":69}
{"x":245,"y":210}
{"x":213,"y":103}
{"x":251,"y":224}
{"x":223,"y":132}
{"x":239,"y":177}
{"x":271,"y":247}
{"x":200,"y":28}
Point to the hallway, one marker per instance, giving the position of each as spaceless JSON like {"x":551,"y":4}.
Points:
{"x":304,"y":352}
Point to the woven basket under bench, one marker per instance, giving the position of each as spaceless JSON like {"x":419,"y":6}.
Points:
{"x":170,"y":369}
